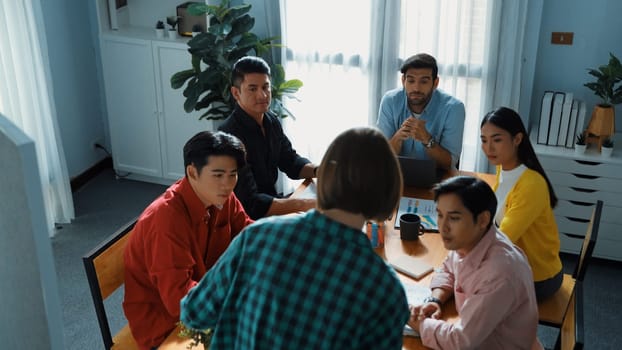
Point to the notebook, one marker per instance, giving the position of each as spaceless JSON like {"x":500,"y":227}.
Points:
{"x":411,"y":266}
{"x":415,"y":293}
{"x":419,"y":172}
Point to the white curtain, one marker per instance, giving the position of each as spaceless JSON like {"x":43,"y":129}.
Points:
{"x":26,"y":99}
{"x":348,"y":58}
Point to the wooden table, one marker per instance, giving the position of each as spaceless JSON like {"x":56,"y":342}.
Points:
{"x":429,"y":247}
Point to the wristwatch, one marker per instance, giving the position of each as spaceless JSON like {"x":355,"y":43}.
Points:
{"x":433,"y":300}
{"x":431,"y":142}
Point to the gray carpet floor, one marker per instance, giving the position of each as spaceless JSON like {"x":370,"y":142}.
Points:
{"x":105,"y":203}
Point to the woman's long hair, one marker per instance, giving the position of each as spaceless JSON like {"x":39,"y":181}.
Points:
{"x":507,"y":119}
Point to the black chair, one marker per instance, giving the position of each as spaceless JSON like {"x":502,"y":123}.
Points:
{"x":552,"y":310}
{"x":105,"y":273}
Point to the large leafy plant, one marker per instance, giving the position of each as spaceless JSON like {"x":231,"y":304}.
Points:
{"x":214,"y":52}
{"x":607,"y":77}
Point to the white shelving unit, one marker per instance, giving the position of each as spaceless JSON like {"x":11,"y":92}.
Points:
{"x":579,"y":180}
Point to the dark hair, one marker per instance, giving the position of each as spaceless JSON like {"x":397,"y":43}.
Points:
{"x":508,"y":120}
{"x":208,"y":143}
{"x":247,"y":65}
{"x":420,"y":60}
{"x":360,"y":174}
{"x":475,"y":194}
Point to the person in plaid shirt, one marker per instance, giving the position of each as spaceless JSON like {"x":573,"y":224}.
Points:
{"x":312,"y":281}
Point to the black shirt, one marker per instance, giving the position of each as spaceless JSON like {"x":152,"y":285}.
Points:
{"x":265,"y":154}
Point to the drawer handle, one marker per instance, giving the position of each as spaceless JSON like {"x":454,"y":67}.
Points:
{"x":586,"y":190}
{"x":577,"y":219}
{"x":585,"y":162}
{"x":572,"y":235}
{"x":589,"y":177}
{"x":585,"y":204}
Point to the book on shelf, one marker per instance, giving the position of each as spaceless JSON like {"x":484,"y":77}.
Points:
{"x":415,"y":293}
{"x":565,"y":119}
{"x":425,"y":208}
{"x":581,"y":117}
{"x":545,"y":115}
{"x":556,"y":117}
{"x":572,"y":125}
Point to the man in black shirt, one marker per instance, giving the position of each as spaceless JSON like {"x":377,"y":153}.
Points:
{"x":268,"y":149}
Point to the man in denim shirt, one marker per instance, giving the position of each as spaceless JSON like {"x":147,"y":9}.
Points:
{"x":419,"y":120}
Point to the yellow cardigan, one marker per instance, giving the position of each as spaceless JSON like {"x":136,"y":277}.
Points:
{"x":529,"y":222}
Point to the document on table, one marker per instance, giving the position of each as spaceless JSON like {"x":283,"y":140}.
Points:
{"x":415,"y":293}
{"x":425,"y":208}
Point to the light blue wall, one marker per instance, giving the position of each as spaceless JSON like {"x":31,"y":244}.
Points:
{"x":76,"y":86}
{"x":596,"y":27}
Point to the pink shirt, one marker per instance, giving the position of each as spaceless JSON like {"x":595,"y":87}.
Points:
{"x":494,"y":295}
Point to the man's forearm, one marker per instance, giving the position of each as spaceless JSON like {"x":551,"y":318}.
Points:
{"x":281,"y":206}
{"x":441,"y":156}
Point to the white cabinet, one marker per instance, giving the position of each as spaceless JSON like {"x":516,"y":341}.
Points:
{"x":148,"y":125}
{"x":132,"y":110}
{"x":579,"y":181}
{"x":176,"y":126}
{"x":146,"y":118}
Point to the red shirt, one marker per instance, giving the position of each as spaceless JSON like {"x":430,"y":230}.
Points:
{"x":175,"y":241}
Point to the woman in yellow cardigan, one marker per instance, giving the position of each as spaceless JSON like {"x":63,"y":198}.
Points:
{"x":525,"y":197}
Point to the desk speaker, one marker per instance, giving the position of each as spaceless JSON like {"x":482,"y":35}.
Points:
{"x":187,"y":21}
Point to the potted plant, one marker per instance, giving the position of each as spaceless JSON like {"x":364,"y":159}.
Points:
{"x":607,"y":147}
{"x":196,"y":29}
{"x":172,"y":23}
{"x":607,"y":87}
{"x":227,"y":39}
{"x":580,"y":144}
{"x":159,"y":29}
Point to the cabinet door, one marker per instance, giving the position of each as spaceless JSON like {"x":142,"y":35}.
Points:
{"x":132,"y":111}
{"x":177,"y":126}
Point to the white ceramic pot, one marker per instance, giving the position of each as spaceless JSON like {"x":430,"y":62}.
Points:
{"x":606,"y":151}
{"x":580,"y":148}
{"x":172,"y":34}
{"x":159,"y":33}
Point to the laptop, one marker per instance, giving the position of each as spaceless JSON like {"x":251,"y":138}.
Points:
{"x":420,"y":173}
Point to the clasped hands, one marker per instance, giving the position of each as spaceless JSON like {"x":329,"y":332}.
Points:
{"x":420,"y":312}
{"x":415,"y":128}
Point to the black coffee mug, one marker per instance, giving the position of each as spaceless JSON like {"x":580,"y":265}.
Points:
{"x":410,"y":227}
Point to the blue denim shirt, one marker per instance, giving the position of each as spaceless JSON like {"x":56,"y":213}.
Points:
{"x":444,"y":116}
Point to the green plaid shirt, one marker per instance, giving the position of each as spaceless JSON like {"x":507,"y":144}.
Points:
{"x":299,"y":282}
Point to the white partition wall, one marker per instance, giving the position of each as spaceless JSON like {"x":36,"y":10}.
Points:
{"x":29,"y":303}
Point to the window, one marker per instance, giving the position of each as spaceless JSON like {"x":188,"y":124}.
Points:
{"x":329,"y":47}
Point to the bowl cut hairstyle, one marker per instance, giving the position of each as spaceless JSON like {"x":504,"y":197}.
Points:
{"x":207,"y":143}
{"x":474,"y":193}
{"x":360,"y":174}
{"x":420,"y":60}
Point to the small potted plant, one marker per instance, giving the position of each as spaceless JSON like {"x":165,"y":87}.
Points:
{"x":608,"y":88}
{"x":607,"y":147}
{"x":196,"y":29}
{"x":580,"y":145}
{"x":172,"y":29}
{"x":159,"y":29}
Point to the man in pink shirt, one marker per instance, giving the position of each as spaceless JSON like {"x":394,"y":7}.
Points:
{"x":487,"y":275}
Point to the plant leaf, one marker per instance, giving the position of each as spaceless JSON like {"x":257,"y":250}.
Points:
{"x":179,"y":79}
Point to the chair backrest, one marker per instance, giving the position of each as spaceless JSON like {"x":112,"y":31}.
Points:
{"x":105,"y":273}
{"x":571,"y":333}
{"x":587,"y":248}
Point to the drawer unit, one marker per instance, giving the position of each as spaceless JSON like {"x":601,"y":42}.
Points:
{"x":579,"y":181}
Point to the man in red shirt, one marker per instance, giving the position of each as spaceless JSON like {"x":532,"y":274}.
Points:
{"x":181,"y":235}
